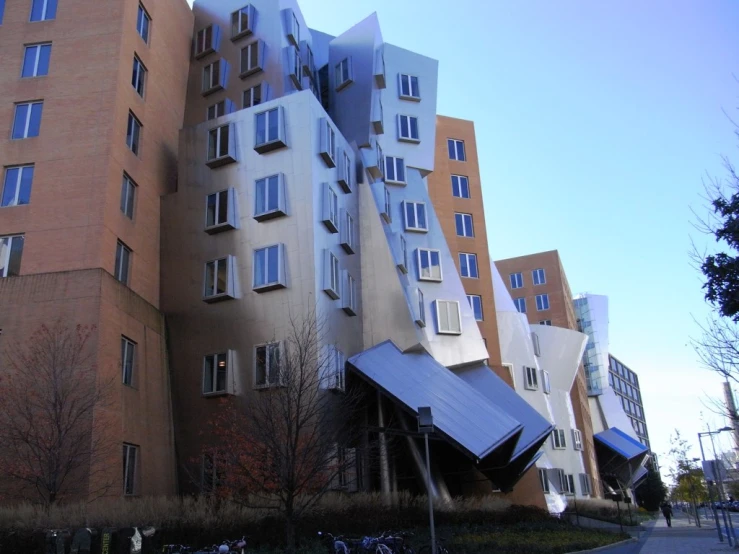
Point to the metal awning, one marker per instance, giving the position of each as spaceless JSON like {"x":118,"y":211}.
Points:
{"x":639,"y":476}
{"x":621,"y":443}
{"x":462,"y":415}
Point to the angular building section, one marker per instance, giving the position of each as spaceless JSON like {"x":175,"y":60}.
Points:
{"x":538,"y":287}
{"x":89,"y":146}
{"x":303,"y":193}
{"x":625,"y":383}
{"x":621,"y":456}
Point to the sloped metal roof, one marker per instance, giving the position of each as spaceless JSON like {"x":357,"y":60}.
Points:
{"x":621,"y":443}
{"x":461,"y":413}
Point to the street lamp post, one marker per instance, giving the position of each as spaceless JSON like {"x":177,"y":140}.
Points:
{"x":426,"y":426}
{"x":692,"y":492}
{"x":719,"y":481}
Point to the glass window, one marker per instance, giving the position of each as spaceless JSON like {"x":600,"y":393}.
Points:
{"x":267,"y":365}
{"x":409,"y":87}
{"x":204,"y":43}
{"x":267,"y":266}
{"x":415,"y":216}
{"x":2,"y":10}
{"x":241,"y":22}
{"x":218,"y":142}
{"x":460,"y":186}
{"x":421,"y":309}
{"x":408,"y":128}
{"x":468,"y":265}
{"x":43,"y":10}
{"x":129,"y":469}
{"x":211,"y":78}
{"x":216,"y":278}
{"x":253,"y":96}
{"x":268,"y":126}
{"x":559,"y":439}
{"x":476,"y":305}
{"x":343,"y":74}
{"x":128,"y":355}
{"x":36,"y":60}
{"x":332,"y":276}
{"x":542,"y":302}
{"x":27,"y":121}
{"x":216,"y":209}
{"x":11,"y":251}
{"x":546,"y":383}
{"x":531,"y":379}
{"x":122,"y":263}
{"x":544,"y":481}
{"x":545,"y":322}
{"x":456,"y":150}
{"x":251,"y":58}
{"x":216,"y":110}
{"x":539,"y":277}
{"x":350,"y":295}
{"x":331,"y":209}
{"x":268,"y":195}
{"x":133,"y":133}
{"x":447,"y":316}
{"x":215,"y":372}
{"x":464,"y":225}
{"x":520,"y":304}
{"x":429,"y":265}
{"x":388,"y":216}
{"x":142,"y":24}
{"x":516,"y":280}
{"x":394,"y":169}
{"x":128,"y":196}
{"x":139,"y":76}
{"x":17,"y":186}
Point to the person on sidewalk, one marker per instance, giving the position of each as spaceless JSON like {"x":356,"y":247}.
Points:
{"x":667,"y":512}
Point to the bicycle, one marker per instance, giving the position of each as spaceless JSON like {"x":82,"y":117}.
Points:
{"x":336,"y":545}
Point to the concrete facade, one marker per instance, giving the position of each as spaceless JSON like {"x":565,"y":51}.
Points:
{"x":73,"y":221}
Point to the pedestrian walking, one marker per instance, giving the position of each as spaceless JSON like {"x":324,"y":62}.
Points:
{"x":667,"y":512}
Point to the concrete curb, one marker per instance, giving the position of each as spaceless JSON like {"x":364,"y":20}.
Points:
{"x":606,"y":547}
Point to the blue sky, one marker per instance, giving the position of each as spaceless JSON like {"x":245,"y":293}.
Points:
{"x":596,"y":123}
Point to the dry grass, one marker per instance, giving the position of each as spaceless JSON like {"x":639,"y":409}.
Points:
{"x":607,"y":510}
{"x":174,"y":512}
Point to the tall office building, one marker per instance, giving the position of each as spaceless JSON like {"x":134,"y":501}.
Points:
{"x":625,"y":383}
{"x":538,"y":286}
{"x":93,"y":96}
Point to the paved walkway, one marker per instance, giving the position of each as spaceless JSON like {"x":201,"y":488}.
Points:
{"x":681,"y":538}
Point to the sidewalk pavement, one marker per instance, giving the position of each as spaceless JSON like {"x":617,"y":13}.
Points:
{"x":681,"y":538}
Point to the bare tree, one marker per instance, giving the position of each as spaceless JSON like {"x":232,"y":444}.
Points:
{"x":53,"y":438}
{"x":287,"y":448}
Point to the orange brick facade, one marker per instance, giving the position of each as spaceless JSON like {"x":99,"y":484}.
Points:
{"x":73,"y":221}
{"x":561,"y":313}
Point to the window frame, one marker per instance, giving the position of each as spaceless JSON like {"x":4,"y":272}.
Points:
{"x":261,"y":87}
{"x":331,"y":274}
{"x":464,"y":218}
{"x":458,"y":189}
{"x":530,"y":378}
{"x":128,"y":196}
{"x":410,"y":96}
{"x":456,"y":143}
{"x":544,"y":481}
{"x":130,"y":469}
{"x":278,"y":179}
{"x":270,"y":143}
{"x":516,"y":280}
{"x":331,"y":209}
{"x":539,"y":275}
{"x":8,"y":252}
{"x":215,"y":296}
{"x":522,"y":300}
{"x":409,"y":120}
{"x":215,"y":71}
{"x":220,"y":155}
{"x":229,"y":222}
{"x":420,"y":252}
{"x":133,"y":131}
{"x":128,"y":367}
{"x":559,"y":439}
{"x":541,"y":300}
{"x":29,"y":116}
{"x":201,"y":47}
{"x":44,"y":10}
{"x":267,"y":285}
{"x":577,"y":440}
{"x":467,"y":256}
{"x":546,"y":382}
{"x":387,"y":214}
{"x":16,"y":201}
{"x":268,"y":382}
{"x":403,"y":262}
{"x":37,"y":58}
{"x":343,"y":75}
{"x":328,"y":142}
{"x":471,"y":298}
{"x":138,"y":79}
{"x":120,"y":249}
{"x":347,"y":232}
{"x":415,"y":207}
{"x":395,"y":162}
{"x":441,"y":330}
{"x":213,"y":377}
{"x":546,"y":322}
{"x":421,"y":307}
{"x":141,"y":28}
{"x":237,"y":32}
{"x":349,"y":293}
{"x":253,"y":65}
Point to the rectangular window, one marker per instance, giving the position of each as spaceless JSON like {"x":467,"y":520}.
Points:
{"x":216,"y":110}
{"x":2,"y":10}
{"x":330,"y":216}
{"x":252,"y":59}
{"x":347,"y":233}
{"x":403,"y":261}
{"x":530,"y":378}
{"x":270,"y":132}
{"x":130,"y":455}
{"x":27,"y":121}
{"x":295,"y":67}
{"x":387,"y":214}
{"x":128,"y":360}
{"x":220,"y":211}
{"x":577,"y":439}
{"x":331,"y":274}
{"x":460,"y":186}
{"x":143,"y":21}
{"x":475,"y":301}
{"x":218,"y":282}
{"x":520,"y":304}
{"x":334,"y":369}
{"x":293,"y":28}
{"x":122,"y":263}
{"x":586,"y":484}
{"x":328,"y":143}
{"x":464,"y":225}
{"x":539,"y":277}
{"x":36,"y":60}
{"x":17,"y":186}
{"x":408,"y":128}
{"x":545,"y":322}
{"x":128,"y":196}
{"x":212,"y":474}
{"x":516,"y":280}
{"x":253,"y":96}
{"x":421,"y":315}
{"x":269,"y":268}
{"x":215,"y":373}
{"x":415,"y":216}
{"x":349,"y":297}
{"x":408,"y":87}
{"x":242,"y":22}
{"x":133,"y":133}
{"x":214,"y":77}
{"x":43,"y":10}
{"x":559,"y":440}
{"x":11,"y":251}
{"x":206,"y":41}
{"x":267,"y":365}
{"x":456,"y":150}
{"x":570,"y":484}
{"x":468,"y":265}
{"x":138,"y":79}
{"x":394,"y":170}
{"x":429,"y":265}
{"x":447,"y":317}
{"x":343,"y":74}
{"x":269,"y":199}
{"x":546,"y":383}
{"x":345,"y":172}
{"x":542,"y":302}
{"x":544,"y":480}
{"x":219,"y":146}
{"x":535,"y":343}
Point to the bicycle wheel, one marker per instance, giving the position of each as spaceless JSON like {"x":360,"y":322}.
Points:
{"x":383,"y":549}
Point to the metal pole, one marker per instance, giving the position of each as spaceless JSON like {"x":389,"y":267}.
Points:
{"x":431,"y":499}
{"x":717,"y":470}
{"x":710,"y":493}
